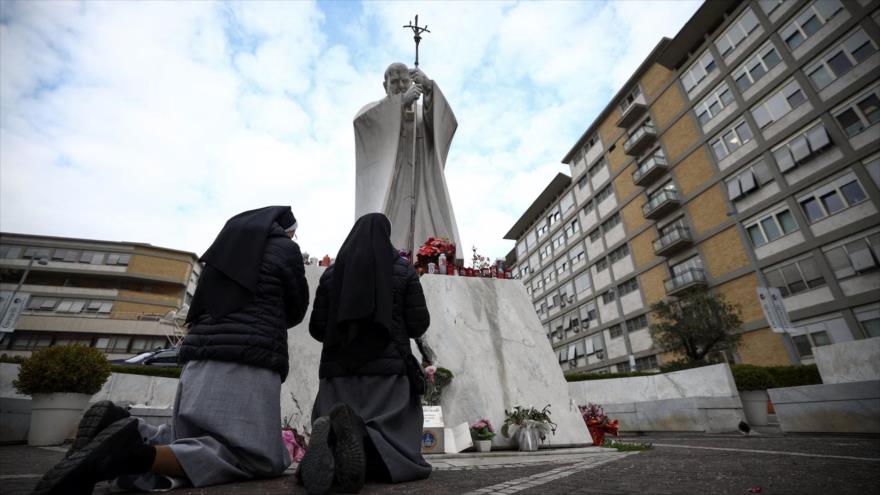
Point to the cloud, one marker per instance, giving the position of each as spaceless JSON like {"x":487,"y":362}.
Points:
{"x":156,"y":121}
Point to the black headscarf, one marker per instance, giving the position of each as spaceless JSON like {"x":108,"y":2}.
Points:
{"x":232,"y":263}
{"x":362,"y":280}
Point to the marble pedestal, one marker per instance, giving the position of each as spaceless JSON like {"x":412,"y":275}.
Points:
{"x":483,"y":330}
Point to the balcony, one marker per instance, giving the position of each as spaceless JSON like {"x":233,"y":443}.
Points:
{"x":632,"y":112}
{"x":661,"y":204}
{"x":639,"y":141}
{"x":649,"y":170}
{"x":691,"y":277}
{"x":673,"y":241}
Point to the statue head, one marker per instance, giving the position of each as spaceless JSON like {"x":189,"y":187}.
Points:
{"x":397,"y":79}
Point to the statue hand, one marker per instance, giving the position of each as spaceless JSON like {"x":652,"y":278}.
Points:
{"x":412,"y":94}
{"x":421,"y":79}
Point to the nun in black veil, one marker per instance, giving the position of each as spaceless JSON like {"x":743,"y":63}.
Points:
{"x":227,"y":411}
{"x":367,"y":417}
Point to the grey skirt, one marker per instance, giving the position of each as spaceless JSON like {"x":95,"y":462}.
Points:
{"x":393,"y":418}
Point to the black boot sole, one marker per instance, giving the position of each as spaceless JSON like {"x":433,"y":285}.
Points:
{"x":76,"y":474}
{"x":101,"y":415}
{"x":349,"y":450}
{"x":318,"y":465}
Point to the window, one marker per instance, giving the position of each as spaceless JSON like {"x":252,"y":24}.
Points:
{"x":619,"y":253}
{"x":630,"y":99}
{"x":543,"y":229}
{"x":10,"y":252}
{"x":595,"y":235}
{"x":844,"y":192}
{"x":872,"y":165}
{"x":546,"y":250}
{"x":860,"y":114}
{"x":615,"y":331}
{"x":793,"y":278}
{"x":731,"y":140}
{"x":748,"y":180}
{"x":604,"y":193}
{"x":602,"y":264}
{"x":802,"y":148}
{"x":698,"y":71}
{"x":630,"y":285}
{"x":554,"y":217}
{"x":588,"y":207}
{"x":562,"y":267}
{"x":687,"y":266}
{"x":582,"y":282}
{"x":572,"y":228}
{"x":712,"y":105}
{"x":558,"y":241}
{"x":809,"y":21}
{"x":576,"y":254}
{"x":608,"y":297}
{"x":779,"y":104}
{"x":755,"y":68}
{"x":805,"y":343}
{"x":596,"y":168}
{"x":839,"y":60}
{"x":646,"y":363}
{"x":582,"y":182}
{"x":612,"y":222}
{"x":662,"y":194}
{"x":771,"y":227}
{"x":567,"y":202}
{"x":855,"y":257}
{"x":736,"y":33}
{"x":636,"y":323}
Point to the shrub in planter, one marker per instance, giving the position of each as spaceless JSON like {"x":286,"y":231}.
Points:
{"x":794,"y":376}
{"x":750,"y":377}
{"x":60,"y":381}
{"x":64,"y":368}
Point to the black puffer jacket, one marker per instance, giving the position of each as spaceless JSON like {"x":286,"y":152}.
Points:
{"x":409,"y":314}
{"x":256,"y":334}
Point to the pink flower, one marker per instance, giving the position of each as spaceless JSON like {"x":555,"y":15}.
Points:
{"x":430,"y":371}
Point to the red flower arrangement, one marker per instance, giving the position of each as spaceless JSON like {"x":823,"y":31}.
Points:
{"x":598,"y":423}
{"x":432,"y":249}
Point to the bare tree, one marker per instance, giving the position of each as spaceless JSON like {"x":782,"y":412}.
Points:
{"x":696,"y":323}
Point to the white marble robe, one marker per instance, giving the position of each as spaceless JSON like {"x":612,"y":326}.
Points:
{"x":383,"y":152}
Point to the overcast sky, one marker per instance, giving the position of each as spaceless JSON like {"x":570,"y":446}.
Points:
{"x":156,"y":121}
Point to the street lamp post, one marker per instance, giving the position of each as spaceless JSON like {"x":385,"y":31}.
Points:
{"x":40,"y":261}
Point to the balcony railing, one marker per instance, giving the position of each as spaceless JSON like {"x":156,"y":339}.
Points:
{"x":649,"y":170}
{"x":661,"y":204}
{"x":673,"y":241}
{"x":632,"y":112}
{"x":639,"y":140}
{"x":686,"y":279}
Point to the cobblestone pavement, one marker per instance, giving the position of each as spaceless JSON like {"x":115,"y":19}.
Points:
{"x":677,"y":464}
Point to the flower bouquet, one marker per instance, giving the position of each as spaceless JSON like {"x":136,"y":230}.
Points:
{"x":437,"y":379}
{"x":293,"y":441}
{"x":482,"y":432}
{"x":598,"y":423}
{"x":432,"y":249}
{"x":531,"y":426}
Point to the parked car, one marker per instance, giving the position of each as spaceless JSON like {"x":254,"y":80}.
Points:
{"x":156,"y":357}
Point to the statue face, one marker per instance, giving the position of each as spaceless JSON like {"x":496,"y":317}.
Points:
{"x":397,"y":81}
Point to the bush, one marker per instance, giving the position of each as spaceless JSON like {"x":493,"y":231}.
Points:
{"x":583,"y":375}
{"x":64,"y":368}
{"x":794,"y":376}
{"x":683,"y":364}
{"x":750,"y":377}
{"x":137,"y":369}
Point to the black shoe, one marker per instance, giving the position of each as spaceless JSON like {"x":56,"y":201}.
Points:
{"x":317,"y":467}
{"x":101,"y":415}
{"x":117,"y":449}
{"x":348,"y":452}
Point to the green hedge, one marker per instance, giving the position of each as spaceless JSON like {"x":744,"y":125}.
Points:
{"x":750,"y":377}
{"x":583,"y":375}
{"x":131,"y":369}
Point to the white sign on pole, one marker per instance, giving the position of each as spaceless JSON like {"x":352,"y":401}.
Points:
{"x":774,"y":309}
{"x":14,"y":310}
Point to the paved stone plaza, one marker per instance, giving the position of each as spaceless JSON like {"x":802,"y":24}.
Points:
{"x":717,"y":464}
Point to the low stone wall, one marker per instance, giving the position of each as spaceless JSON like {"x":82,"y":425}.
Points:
{"x":852,"y":361}
{"x":150,"y":398}
{"x":700,"y":399}
{"x":852,"y":407}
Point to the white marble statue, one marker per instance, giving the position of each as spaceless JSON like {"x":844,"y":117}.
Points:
{"x":384,"y":155}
